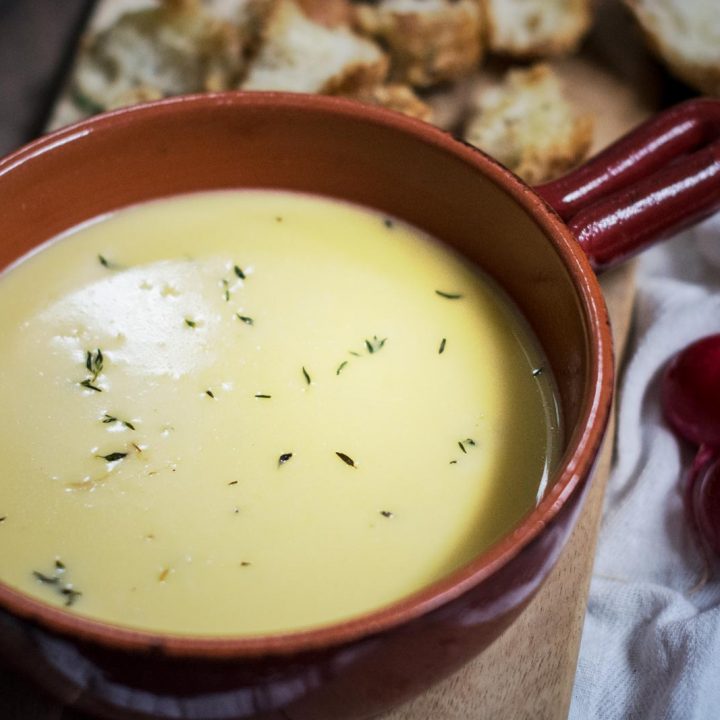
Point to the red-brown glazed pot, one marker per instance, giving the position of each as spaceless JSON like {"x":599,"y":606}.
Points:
{"x":383,"y":160}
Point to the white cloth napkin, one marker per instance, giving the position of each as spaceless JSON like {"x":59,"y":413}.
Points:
{"x":651,"y":642}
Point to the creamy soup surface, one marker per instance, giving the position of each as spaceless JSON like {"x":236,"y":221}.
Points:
{"x":250,"y":412}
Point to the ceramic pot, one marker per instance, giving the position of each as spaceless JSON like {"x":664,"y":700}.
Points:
{"x":541,"y":246}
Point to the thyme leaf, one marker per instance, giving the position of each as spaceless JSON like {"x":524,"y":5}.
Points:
{"x":308,"y":379}
{"x":247,"y":320}
{"x":190,"y":323}
{"x":467,"y":441}
{"x":284,"y":458}
{"x":46,"y":579}
{"x":341,"y":366}
{"x":94,"y":362}
{"x":387,"y":513}
{"x":239,"y":272}
{"x":70,"y":594}
{"x":110,"y":419}
{"x":346,"y":459}
{"x":113,"y":457}
{"x":210,"y":393}
{"x":442,"y":347}
{"x":375,"y":345}
{"x":260,"y":395}
{"x":66,"y":590}
{"x":449,"y":296}
{"x":3,"y":518}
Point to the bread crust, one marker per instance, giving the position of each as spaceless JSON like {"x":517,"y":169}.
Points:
{"x":430,"y":42}
{"x":527,"y":29}
{"x":170,"y":49}
{"x":702,"y":75}
{"x":526,"y":123}
{"x":398,"y":97}
{"x":299,"y":55}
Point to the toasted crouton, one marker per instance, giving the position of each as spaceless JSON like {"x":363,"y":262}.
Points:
{"x":331,"y":13}
{"x":395,"y":96}
{"x":526,"y":124}
{"x":686,"y":35}
{"x":430,"y":41}
{"x":536,"y":28}
{"x":299,"y":55}
{"x":160,"y":51}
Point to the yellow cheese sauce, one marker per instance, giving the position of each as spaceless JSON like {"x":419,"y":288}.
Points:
{"x":252,"y":412}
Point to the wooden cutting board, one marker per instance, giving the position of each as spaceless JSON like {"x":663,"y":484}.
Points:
{"x":529,"y":671}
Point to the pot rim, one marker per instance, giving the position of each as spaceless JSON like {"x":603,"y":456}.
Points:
{"x":573,"y":469}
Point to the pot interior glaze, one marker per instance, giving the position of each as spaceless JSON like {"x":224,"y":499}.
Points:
{"x":365,"y":155}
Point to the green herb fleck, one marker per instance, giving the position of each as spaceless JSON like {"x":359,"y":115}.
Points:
{"x":537,"y":371}
{"x":260,"y":395}
{"x":449,"y":296}
{"x":341,"y":366}
{"x":70,"y":594}
{"x":389,"y":223}
{"x":104,"y":261}
{"x":245,"y":563}
{"x":226,"y":285}
{"x":346,"y":459}
{"x":442,"y":346}
{"x":247,"y":320}
{"x":467,"y":441}
{"x":387,"y":513}
{"x":306,"y":374}
{"x":210,"y":393}
{"x":94,"y":362}
{"x":284,"y":458}
{"x":66,"y":590}
{"x":46,"y":579}
{"x":239,"y":272}
{"x":375,"y":345}
{"x":3,"y":518}
{"x":190,"y":323}
{"x":113,"y":457}
{"x":453,"y":462}
{"x":233,"y":482}
{"x":356,"y":354}
{"x":109,"y":419}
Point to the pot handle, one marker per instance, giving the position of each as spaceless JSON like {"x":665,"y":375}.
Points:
{"x":650,"y":184}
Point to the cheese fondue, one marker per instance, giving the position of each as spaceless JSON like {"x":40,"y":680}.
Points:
{"x":251,"y":412}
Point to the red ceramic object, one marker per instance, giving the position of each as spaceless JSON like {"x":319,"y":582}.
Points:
{"x":398,"y":165}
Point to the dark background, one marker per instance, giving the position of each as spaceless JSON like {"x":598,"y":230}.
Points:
{"x":36,"y":43}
